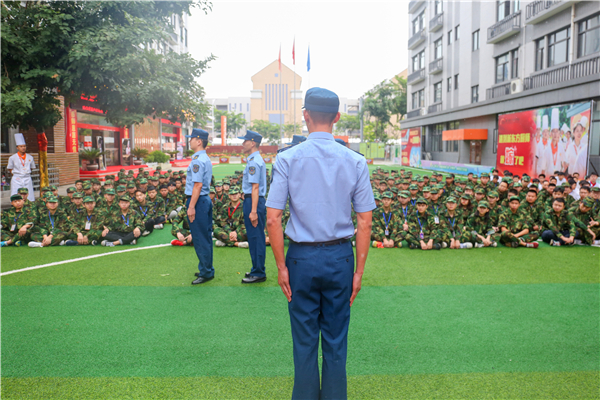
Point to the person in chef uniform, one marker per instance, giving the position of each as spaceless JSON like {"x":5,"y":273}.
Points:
{"x":20,"y":165}
{"x":577,"y":151}
{"x":554,"y":151}
{"x":541,"y":144}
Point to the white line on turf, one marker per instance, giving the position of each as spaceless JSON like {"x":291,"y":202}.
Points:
{"x":81,"y":259}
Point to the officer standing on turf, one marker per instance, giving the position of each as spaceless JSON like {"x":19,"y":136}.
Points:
{"x":323,"y":181}
{"x":199,"y":206}
{"x":254,"y":186}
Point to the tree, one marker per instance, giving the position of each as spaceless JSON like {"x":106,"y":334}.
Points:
{"x":384,"y":100}
{"x":291,"y":129}
{"x":268,"y":130}
{"x":347,"y":123}
{"x":235,"y":122}
{"x":100,"y":50}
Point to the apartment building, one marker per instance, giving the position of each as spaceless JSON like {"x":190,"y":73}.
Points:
{"x":473,"y":63}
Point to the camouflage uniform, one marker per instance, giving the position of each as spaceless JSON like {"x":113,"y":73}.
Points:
{"x":478,"y":225}
{"x":96,"y":224}
{"x":229,"y":220}
{"x":556,"y":225}
{"x":181,"y":225}
{"x":11,"y":218}
{"x":581,"y":220}
{"x":451,"y":227}
{"x":57,"y":225}
{"x":515,"y":223}
{"x":422,"y":223}
{"x":535,"y":212}
{"x":121,"y":226}
{"x":393,"y":227}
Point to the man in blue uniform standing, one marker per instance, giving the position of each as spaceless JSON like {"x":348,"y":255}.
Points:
{"x":199,"y":206}
{"x":323,"y":181}
{"x":254,"y":186}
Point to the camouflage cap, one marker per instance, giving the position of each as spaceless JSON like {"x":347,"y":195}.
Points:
{"x":469,"y":186}
{"x":466,"y":196}
{"x":53,"y":188}
{"x":413,"y":187}
{"x":169,"y":170}
{"x":109,"y":182}
{"x":451,"y":200}
{"x":226,"y":182}
{"x":588,"y":202}
{"x":212,"y":190}
{"x":483,"y":204}
{"x":52,"y":199}
{"x":485,"y":175}
{"x":595,"y":189}
{"x":506,"y":179}
{"x":426,"y":189}
{"x":394,"y":190}
{"x":234,"y":190}
{"x":143,"y":181}
{"x":125,"y":198}
{"x":459,"y":190}
{"x":88,"y":199}
{"x":387,"y":195}
{"x":153,"y":178}
{"x":513,"y":198}
{"x":479,"y":191}
{"x":23,"y":190}
{"x":130,"y":172}
{"x":421,"y":200}
{"x":121,"y":188}
{"x":565,"y":185}
{"x":420,"y":179}
{"x":15,"y":197}
{"x":377,"y":196}
{"x":526,"y":178}
{"x":517,"y":184}
{"x":46,"y":189}
{"x":95,"y":181}
{"x":47,"y":194}
{"x":78,"y":195}
{"x":218,"y":183}
{"x":87,"y":185}
{"x":69,"y":190}
{"x":130,"y":185}
{"x":122,"y":170}
{"x":405,"y":194}
{"x":493,"y":194}
{"x":140,"y":168}
{"x":109,"y":191}
{"x":159,"y":168}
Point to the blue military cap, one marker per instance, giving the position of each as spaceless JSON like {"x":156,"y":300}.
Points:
{"x":321,"y":100}
{"x":297,"y":139}
{"x":251,"y":135}
{"x":198,"y":133}
{"x":340,"y":141}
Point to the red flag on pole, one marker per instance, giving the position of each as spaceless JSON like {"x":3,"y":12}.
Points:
{"x":294,"y":51}
{"x":280,"y":57}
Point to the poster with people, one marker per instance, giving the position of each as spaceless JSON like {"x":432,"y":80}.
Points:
{"x":411,"y":147}
{"x":544,"y":140}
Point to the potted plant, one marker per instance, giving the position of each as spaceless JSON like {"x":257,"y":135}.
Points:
{"x":189,"y":153}
{"x":172,"y":154}
{"x":139,"y":153}
{"x":91,"y":155}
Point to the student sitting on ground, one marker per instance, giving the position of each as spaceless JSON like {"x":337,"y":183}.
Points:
{"x":52,"y":228}
{"x":124,"y":227}
{"x":478,"y":229}
{"x":88,"y":226}
{"x":385,"y":230}
{"x":229,"y":228}
{"x":452,"y":226}
{"x":558,"y":226}
{"x":181,"y":229}
{"x":516,"y":226}
{"x":422,"y":229}
{"x":17,"y":222}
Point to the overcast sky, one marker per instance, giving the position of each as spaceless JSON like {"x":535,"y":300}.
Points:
{"x":353,"y":45}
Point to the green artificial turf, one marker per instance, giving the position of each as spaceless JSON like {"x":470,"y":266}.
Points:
{"x":56,"y":331}
{"x":174,"y":266}
{"x":513,"y":385}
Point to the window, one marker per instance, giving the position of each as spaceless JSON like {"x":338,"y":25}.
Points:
{"x":456,"y":82}
{"x":449,"y":37}
{"x":558,"y":47}
{"x":418,"y":61}
{"x":437,"y":8}
{"x":516,"y":5}
{"x":539,"y":53}
{"x":185,"y":31}
{"x":437,"y":92}
{"x":418,"y":23}
{"x":503,"y":9}
{"x":475,"y":94}
{"x":450,"y":84}
{"x":589,"y":36}
{"x":514,"y":68}
{"x":476,"y":40}
{"x":435,"y":142}
{"x":181,"y":33}
{"x":457,"y":33}
{"x":452,"y":145}
{"x":418,"y":99}
{"x":437,"y":49}
{"x":502,"y":68}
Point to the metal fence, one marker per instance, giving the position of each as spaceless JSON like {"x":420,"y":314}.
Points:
{"x":53,"y":177}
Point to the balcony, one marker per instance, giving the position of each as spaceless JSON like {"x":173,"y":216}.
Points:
{"x":436,"y":66}
{"x":417,"y":39}
{"x":498,"y":91}
{"x":413,"y":5}
{"x":436,"y":107}
{"x":540,"y":10}
{"x":414,"y":113}
{"x":501,"y":30}
{"x":579,"y":69}
{"x":416,"y":77}
{"x":436,"y":23}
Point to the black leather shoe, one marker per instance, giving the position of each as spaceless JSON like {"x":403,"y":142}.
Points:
{"x":254,"y":279}
{"x":247,"y":275}
{"x":200,"y":280}
{"x":197,"y":274}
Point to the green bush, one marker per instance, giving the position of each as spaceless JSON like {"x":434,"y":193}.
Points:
{"x":157,"y":156}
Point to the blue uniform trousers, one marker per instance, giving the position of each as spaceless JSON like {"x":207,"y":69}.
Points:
{"x":201,"y":230}
{"x":256,"y":235}
{"x":321,"y":284}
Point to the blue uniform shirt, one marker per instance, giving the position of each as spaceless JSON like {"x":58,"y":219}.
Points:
{"x":199,"y":170}
{"x":323,"y":180}
{"x":255,"y":172}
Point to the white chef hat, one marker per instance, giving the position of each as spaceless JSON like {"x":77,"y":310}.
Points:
{"x":539,"y":121}
{"x":565,"y":128}
{"x":583,"y":122}
{"x":554,"y":122}
{"x":545,"y":122}
{"x":19,"y":139}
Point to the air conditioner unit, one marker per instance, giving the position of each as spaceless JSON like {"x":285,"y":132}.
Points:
{"x":516,"y":86}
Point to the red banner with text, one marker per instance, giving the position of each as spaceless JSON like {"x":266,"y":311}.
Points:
{"x":411,"y":147}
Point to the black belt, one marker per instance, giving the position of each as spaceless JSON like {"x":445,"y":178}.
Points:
{"x":317,"y":244}
{"x":250,"y":194}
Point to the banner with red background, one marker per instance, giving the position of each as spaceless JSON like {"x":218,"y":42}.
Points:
{"x":410,"y":140}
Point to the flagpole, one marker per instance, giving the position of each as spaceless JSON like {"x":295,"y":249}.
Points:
{"x":294,"y":98}
{"x":280,"y":73}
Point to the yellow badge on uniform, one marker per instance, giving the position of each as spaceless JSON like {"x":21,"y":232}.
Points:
{"x":252,"y":170}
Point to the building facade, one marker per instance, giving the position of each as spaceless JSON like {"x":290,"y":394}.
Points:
{"x":470,"y":63}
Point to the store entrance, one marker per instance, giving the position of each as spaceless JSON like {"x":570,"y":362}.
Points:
{"x":103,"y":140}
